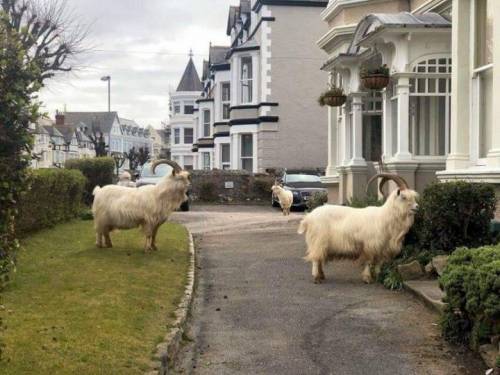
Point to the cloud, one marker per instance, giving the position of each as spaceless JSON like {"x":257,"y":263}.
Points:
{"x":143,"y":45}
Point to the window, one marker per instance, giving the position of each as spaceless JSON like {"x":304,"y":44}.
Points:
{"x":430,"y":92}
{"x":225,"y":99}
{"x":206,"y":160}
{"x":247,"y":152}
{"x":246,"y":80}
{"x":188,"y":163}
{"x":225,"y":151}
{"x":188,"y":108}
{"x":188,"y":135}
{"x":177,"y":108}
{"x":177,"y":136}
{"x":206,"y":123}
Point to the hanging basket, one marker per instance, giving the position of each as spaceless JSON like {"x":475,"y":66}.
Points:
{"x":334,"y":100}
{"x":375,"y":81}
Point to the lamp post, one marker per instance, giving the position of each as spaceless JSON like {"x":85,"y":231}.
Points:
{"x":108,"y":78}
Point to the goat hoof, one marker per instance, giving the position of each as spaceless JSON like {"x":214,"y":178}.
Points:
{"x":318,"y":280}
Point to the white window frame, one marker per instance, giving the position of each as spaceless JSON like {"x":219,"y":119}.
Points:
{"x":477,"y":76}
{"x":246,"y":157}
{"x":174,"y":104}
{"x":177,"y":138}
{"x":225,"y":102}
{"x":205,"y":156}
{"x":184,"y":136}
{"x":225,"y":164}
{"x":206,"y":123}
{"x":247,"y":81}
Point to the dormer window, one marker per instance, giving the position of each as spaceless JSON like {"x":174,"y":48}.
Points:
{"x":246,"y":80}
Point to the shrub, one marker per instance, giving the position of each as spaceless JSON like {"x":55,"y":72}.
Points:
{"x":369,"y":200}
{"x":262,"y":186}
{"x":317,"y":199}
{"x":208,"y":191}
{"x":455,"y":214}
{"x":471,"y":281}
{"x":99,"y":172}
{"x":55,"y":195}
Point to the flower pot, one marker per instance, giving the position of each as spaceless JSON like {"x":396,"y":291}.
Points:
{"x":375,"y":81}
{"x":334,"y":100}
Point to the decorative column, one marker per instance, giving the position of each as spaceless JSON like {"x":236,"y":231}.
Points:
{"x":346,"y":134}
{"x":387,"y":151}
{"x":332,"y":142}
{"x":357,"y":129}
{"x":461,"y":83}
{"x":403,"y":150}
{"x":493,"y":157}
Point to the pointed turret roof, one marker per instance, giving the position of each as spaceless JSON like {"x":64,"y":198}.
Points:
{"x":190,"y":80}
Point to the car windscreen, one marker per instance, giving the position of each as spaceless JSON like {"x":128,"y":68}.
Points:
{"x":161,"y":170}
{"x":301,"y":178}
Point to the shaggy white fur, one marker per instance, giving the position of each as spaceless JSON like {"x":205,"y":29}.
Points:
{"x":119,"y":207}
{"x":285,"y":197}
{"x":373,"y":235}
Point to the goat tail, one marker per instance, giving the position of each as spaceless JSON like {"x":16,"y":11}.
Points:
{"x":96,"y":190}
{"x":302,"y":226}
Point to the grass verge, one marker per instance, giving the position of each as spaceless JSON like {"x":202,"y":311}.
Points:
{"x":74,"y":308}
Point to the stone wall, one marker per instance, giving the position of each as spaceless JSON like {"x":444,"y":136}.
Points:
{"x":230,"y":186}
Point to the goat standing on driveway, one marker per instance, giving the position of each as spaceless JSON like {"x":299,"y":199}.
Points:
{"x":373,"y":235}
{"x":119,"y":207}
{"x":285,"y":197}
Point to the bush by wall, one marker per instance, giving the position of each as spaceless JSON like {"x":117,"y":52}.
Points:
{"x":98,"y":171}
{"x":455,"y":214}
{"x":317,"y":199}
{"x":55,"y":195}
{"x":471,"y":281}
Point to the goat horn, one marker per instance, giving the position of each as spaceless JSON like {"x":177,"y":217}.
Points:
{"x":400,"y":181}
{"x":177,"y":168}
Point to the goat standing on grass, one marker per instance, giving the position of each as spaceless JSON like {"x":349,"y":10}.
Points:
{"x":285,"y":197}
{"x":373,"y":235}
{"x":149,"y":206}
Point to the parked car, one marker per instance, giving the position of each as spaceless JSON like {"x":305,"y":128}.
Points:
{"x":302,"y":186}
{"x":147,"y":177}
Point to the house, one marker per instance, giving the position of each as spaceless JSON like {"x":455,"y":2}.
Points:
{"x":258,"y":109}
{"x":156,"y":139}
{"x":182,"y":117}
{"x":411,"y":124}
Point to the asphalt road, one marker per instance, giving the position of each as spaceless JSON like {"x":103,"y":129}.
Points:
{"x":257,"y":311}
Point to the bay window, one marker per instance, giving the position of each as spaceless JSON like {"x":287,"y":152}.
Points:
{"x":177,"y":136}
{"x":206,"y":160}
{"x":246,"y":81}
{"x":188,"y":135}
{"x":247,"y":152}
{"x":188,"y":163}
{"x":225,"y":151}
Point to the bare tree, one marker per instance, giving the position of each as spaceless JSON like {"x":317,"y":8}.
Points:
{"x":48,"y":32}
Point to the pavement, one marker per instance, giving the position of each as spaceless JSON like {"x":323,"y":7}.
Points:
{"x":257,"y":311}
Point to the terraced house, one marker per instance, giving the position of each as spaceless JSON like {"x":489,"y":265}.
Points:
{"x":258,"y":107}
{"x":434,"y":119}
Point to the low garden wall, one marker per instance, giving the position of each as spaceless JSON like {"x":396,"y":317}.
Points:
{"x":230,"y":186}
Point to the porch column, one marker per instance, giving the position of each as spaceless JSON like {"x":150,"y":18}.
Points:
{"x":403,"y":150}
{"x":332,"y":142}
{"x":357,"y":129}
{"x":346,"y":134}
{"x":494,"y":153}
{"x":386,"y":124}
{"x":461,"y":83}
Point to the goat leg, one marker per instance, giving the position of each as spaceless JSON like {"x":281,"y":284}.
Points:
{"x":98,"y":239}
{"x":153,"y":238}
{"x":366,"y":275}
{"x":107,"y":239}
{"x":317,"y":271}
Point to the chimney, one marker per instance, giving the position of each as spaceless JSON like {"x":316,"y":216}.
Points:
{"x":59,"y":118}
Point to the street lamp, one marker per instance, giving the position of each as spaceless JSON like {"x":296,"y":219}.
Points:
{"x":108,"y":78}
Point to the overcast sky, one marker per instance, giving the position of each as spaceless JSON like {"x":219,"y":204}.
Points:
{"x":143,"y":45}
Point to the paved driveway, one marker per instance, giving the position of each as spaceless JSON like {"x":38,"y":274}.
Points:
{"x":257,"y":311}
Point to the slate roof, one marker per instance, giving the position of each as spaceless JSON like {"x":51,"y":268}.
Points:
{"x":190,"y":80}
{"x":217,"y":54}
{"x":102,"y":120}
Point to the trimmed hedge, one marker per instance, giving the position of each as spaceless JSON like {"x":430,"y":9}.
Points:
{"x":55,"y":195}
{"x":471,"y":281}
{"x":99,"y":171}
{"x":454,"y":214}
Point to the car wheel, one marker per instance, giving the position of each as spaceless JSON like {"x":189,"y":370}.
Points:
{"x":185,"y":206}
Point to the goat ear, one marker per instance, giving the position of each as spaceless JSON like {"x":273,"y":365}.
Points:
{"x":399,"y":192}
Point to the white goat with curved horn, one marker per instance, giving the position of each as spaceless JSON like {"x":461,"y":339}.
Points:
{"x":372,"y":235}
{"x":119,"y":207}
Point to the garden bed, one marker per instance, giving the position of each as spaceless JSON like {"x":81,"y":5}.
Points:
{"x":74,"y":308}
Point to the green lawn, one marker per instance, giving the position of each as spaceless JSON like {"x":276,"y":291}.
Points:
{"x":74,"y":308}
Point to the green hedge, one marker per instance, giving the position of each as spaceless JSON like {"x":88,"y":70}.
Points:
{"x":99,"y":171}
{"x":454,"y":214}
{"x":55,"y":195}
{"x":471,"y":281}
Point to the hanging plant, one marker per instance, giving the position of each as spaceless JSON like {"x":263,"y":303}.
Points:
{"x":375,"y":78}
{"x":333,"y":97}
